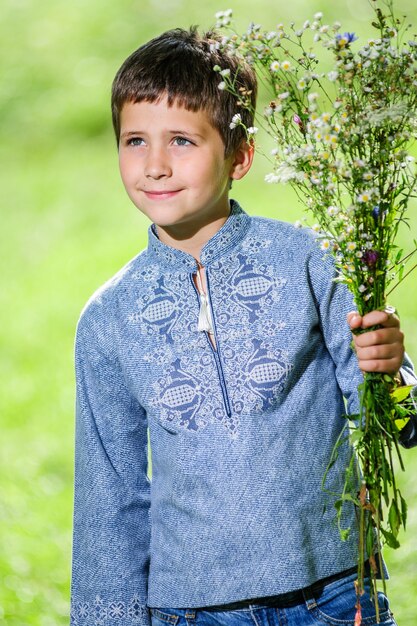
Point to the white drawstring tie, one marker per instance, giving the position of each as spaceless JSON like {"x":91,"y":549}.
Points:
{"x":204,"y":318}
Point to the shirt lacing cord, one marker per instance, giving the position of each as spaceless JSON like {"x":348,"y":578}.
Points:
{"x":205,"y":322}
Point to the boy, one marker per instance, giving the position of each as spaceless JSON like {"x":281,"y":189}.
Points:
{"x":227,"y":338}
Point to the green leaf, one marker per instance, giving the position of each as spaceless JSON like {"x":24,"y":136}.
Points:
{"x":401,"y":422}
{"x":404,"y":509}
{"x":390,"y":540}
{"x":356,"y":435}
{"x":370,"y":540}
{"x":394,"y":518}
{"x":401,"y":393}
{"x":344,"y":534}
{"x":398,"y":256}
{"x":347,"y":497}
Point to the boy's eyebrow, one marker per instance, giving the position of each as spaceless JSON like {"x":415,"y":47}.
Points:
{"x":131,"y":133}
{"x":185,"y":132}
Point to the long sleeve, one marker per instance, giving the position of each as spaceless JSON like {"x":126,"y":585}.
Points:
{"x":334,"y":301}
{"x":111,"y":535}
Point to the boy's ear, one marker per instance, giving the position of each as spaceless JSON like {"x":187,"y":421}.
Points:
{"x":242,"y":160}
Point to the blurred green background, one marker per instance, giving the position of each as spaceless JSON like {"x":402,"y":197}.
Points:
{"x":67,"y":226}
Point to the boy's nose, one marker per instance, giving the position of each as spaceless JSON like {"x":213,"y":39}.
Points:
{"x":157,"y":164}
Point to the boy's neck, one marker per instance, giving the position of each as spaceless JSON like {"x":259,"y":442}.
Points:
{"x":191,"y":243}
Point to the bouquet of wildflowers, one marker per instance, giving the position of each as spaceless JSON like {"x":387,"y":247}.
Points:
{"x":342,"y":118}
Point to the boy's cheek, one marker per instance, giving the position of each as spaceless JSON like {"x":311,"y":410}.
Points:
{"x":125,"y":162}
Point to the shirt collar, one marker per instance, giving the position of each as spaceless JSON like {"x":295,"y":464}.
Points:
{"x":226,"y":238}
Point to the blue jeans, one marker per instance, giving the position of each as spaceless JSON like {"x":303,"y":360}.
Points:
{"x":331,"y":605}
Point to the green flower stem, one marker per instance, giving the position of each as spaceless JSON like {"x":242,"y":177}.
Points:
{"x":374,"y":448}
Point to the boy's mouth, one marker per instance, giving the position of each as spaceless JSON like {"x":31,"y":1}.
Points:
{"x":161,"y":195}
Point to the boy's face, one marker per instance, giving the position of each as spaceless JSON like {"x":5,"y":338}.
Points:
{"x":173,"y":166}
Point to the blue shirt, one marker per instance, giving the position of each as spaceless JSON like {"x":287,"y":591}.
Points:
{"x":240,"y":433}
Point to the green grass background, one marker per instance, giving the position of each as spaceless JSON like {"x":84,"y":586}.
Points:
{"x":67,"y":226}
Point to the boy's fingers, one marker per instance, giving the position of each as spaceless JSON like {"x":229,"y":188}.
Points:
{"x":388,"y":366}
{"x":379,"y":350}
{"x":375,"y":318}
{"x":354,"y":319}
{"x":372,"y":360}
{"x":380,"y":318}
{"x":384,"y":335}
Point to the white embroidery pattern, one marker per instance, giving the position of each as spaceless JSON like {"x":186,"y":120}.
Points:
{"x":244,"y":284}
{"x":232,"y":229}
{"x":253,"y":245}
{"x":188,"y":395}
{"x":164,"y":311}
{"x":103,"y":614}
{"x":190,"y":389}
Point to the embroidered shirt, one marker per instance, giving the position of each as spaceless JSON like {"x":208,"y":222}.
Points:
{"x":240,"y":431}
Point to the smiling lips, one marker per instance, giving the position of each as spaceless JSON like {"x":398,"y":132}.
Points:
{"x":161,"y":195}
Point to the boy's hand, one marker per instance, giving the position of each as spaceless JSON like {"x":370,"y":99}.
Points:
{"x":380,"y":350}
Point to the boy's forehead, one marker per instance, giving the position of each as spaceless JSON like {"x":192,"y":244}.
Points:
{"x":161,"y":113}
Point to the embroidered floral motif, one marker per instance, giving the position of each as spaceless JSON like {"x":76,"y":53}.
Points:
{"x":166,"y":254}
{"x":74,"y":612}
{"x":260,"y":376}
{"x":189,"y":395}
{"x":233,"y":229}
{"x":186,"y":396}
{"x":271,"y":328}
{"x":231,"y":233}
{"x":150,"y":272}
{"x":249,"y":285}
{"x":170,"y":256}
{"x":192,"y":387}
{"x":253,"y":245}
{"x":164,"y":308}
{"x":105,"y":614}
{"x":222,"y":239}
{"x":116,"y":610}
{"x":83,"y":610}
{"x":163,"y":355}
{"x":136,"y":610}
{"x":100,"y":612}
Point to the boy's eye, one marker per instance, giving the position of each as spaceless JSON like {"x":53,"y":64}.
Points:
{"x":182,"y":141}
{"x":135,"y":141}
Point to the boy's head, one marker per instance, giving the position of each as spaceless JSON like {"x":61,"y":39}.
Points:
{"x":178,"y":65}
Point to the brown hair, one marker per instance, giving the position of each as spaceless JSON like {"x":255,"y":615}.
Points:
{"x":179,"y":64}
